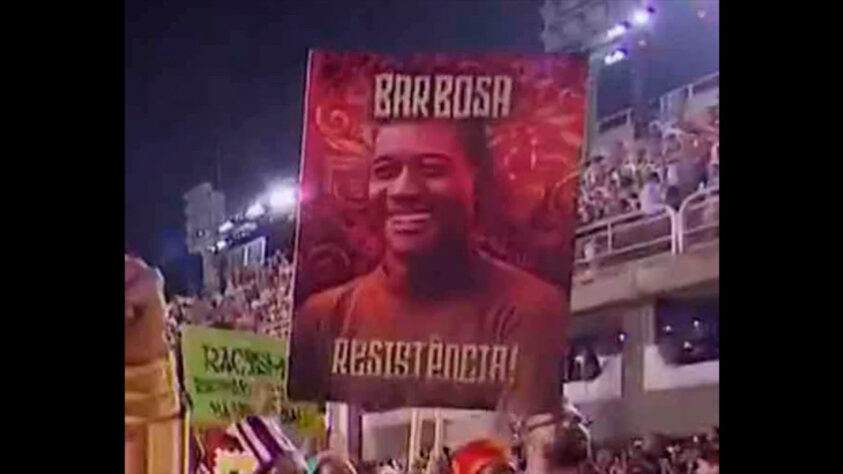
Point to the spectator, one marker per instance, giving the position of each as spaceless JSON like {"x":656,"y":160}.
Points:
{"x":256,"y":299}
{"x":615,"y":184}
{"x":626,"y":206}
{"x":709,"y":461}
{"x":651,"y":194}
{"x":482,"y":457}
{"x":714,"y":174}
{"x":673,"y":198}
{"x":590,"y":255}
{"x":672,"y":172}
{"x":330,"y":463}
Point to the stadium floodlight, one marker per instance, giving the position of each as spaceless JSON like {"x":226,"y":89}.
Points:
{"x":642,"y":17}
{"x":283,"y":198}
{"x":614,"y":57}
{"x":616,"y":31}
{"x":255,"y":210}
{"x":226,"y":226}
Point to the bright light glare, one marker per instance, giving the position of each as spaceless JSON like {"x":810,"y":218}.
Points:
{"x":255,"y":210}
{"x":640,"y":17}
{"x":283,"y":198}
{"x":221,"y":244}
{"x":614,"y":57}
{"x":616,"y":31}
{"x":226,"y":226}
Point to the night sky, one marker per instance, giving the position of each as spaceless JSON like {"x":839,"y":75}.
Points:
{"x":229,"y":76}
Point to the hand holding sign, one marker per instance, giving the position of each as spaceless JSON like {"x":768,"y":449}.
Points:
{"x":144,"y":313}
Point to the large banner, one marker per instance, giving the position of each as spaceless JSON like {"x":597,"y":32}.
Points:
{"x":230,"y":375}
{"x":436,"y":229}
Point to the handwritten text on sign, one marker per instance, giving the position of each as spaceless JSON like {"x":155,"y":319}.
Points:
{"x":232,"y":374}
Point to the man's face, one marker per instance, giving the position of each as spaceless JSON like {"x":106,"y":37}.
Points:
{"x":421,"y":176}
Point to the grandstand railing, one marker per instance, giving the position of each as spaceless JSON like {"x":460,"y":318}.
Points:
{"x":638,"y":234}
{"x":699,"y":219}
{"x":626,"y":237}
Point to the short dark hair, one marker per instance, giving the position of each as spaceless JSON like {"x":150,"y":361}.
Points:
{"x":566,"y":452}
{"x":472,"y":134}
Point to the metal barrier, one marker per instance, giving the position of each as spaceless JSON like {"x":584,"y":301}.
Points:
{"x":699,"y":219}
{"x":637,"y":235}
{"x":625,"y":237}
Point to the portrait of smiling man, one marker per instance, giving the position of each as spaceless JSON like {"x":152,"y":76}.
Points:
{"x":427,"y":184}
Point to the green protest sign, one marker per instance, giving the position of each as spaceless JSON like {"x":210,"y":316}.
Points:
{"x":233,"y":374}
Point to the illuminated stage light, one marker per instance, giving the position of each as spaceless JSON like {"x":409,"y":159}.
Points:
{"x":614,"y":57}
{"x":641,"y":17}
{"x":255,"y":210}
{"x":283,"y":198}
{"x":616,"y":31}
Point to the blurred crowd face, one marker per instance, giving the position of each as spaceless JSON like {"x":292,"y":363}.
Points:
{"x":704,"y":467}
{"x":422,"y":182}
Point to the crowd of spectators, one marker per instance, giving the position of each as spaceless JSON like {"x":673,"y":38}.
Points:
{"x":254,"y":298}
{"x":670,"y":163}
{"x":698,"y":454}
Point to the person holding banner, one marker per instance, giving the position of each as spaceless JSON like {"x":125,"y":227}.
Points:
{"x":438,"y":322}
{"x":153,"y":422}
{"x":153,"y":428}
